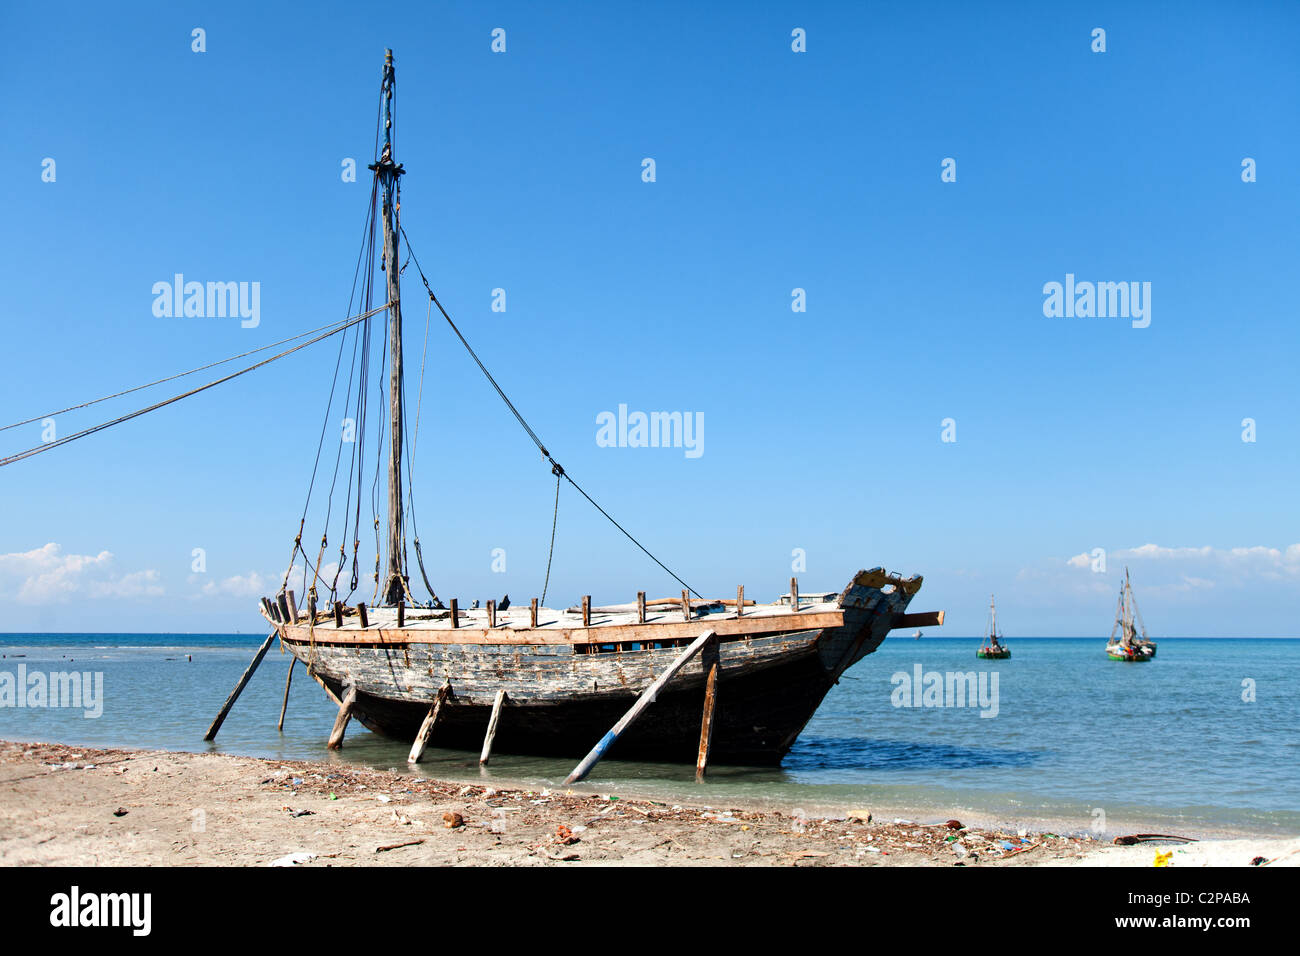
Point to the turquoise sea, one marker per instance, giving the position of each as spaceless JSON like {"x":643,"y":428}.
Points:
{"x":1201,"y":741}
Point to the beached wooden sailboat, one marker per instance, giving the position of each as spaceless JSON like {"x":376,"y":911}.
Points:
{"x":1133,"y":644}
{"x":993,"y":647}
{"x":730,"y":680}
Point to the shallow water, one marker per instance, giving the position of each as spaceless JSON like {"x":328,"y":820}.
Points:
{"x":1079,"y":743}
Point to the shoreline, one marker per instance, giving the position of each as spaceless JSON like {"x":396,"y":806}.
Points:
{"x":82,"y":806}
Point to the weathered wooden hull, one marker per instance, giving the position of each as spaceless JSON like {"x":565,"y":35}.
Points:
{"x":564,"y":692}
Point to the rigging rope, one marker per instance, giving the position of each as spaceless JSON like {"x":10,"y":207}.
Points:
{"x":556,"y":469}
{"x":36,"y":450}
{"x":551,"y":554}
{"x":170,"y":378}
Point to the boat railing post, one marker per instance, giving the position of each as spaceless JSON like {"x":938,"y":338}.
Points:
{"x":640,"y":607}
{"x":293,"y":607}
{"x":794,"y":594}
{"x":740,"y":600}
{"x":586,"y":610}
{"x":361,"y":613}
{"x":532,"y":613}
{"x":686,"y":605}
{"x":338,"y":613}
{"x":492,"y":613}
{"x":401,"y":612}
{"x":283,"y":606}
{"x":455,"y":614}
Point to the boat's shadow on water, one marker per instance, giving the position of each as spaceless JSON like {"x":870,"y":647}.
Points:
{"x":857,"y":753}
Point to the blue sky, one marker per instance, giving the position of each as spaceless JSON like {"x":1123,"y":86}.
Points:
{"x":775,"y":170}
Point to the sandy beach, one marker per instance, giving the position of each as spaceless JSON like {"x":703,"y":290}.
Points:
{"x":63,"y":805}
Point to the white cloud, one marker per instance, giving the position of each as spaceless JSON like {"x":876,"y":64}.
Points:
{"x":251,"y":584}
{"x":48,"y":576}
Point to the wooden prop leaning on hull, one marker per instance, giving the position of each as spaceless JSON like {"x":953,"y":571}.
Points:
{"x":567,"y":683}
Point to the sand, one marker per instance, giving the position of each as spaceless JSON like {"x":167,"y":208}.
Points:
{"x":76,"y":806}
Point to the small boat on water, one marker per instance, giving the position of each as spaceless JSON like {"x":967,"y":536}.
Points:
{"x":1133,"y":644}
{"x":993,"y":648}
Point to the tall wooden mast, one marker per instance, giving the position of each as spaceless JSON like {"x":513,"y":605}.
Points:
{"x":388,"y":172}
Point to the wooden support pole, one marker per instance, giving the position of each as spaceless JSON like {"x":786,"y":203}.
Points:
{"x":426,"y":728}
{"x":455,"y":614}
{"x":686,"y":605}
{"x":532,"y":613}
{"x":293,"y":607}
{"x":710,"y":662}
{"x":645,"y":700}
{"x":239,"y":688}
{"x":794,"y":594}
{"x":361,"y":613}
{"x":920,"y":619}
{"x":285,"y":706}
{"x":640,"y":607}
{"x":586,"y":610}
{"x":311,"y":609}
{"x":492,"y":613}
{"x":338,"y":613}
{"x":401,"y":613}
{"x":740,"y":600}
{"x":341,"y":721}
{"x":492,"y":728}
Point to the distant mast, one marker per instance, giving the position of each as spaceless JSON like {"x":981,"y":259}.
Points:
{"x":388,"y":172}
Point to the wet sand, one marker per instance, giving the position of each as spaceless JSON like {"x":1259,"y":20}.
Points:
{"x":77,"y":806}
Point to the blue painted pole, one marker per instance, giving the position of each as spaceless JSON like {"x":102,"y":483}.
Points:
{"x":645,"y":700}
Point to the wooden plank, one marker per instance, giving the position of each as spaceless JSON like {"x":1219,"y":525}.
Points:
{"x":285,"y":706}
{"x":645,"y":700}
{"x":709,"y":659}
{"x":492,"y":728}
{"x":919,"y":619}
{"x":239,"y":688}
{"x":749,"y":625}
{"x":344,"y":715}
{"x":426,"y":728}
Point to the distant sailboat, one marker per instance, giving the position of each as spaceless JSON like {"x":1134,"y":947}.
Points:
{"x":993,"y":648}
{"x":1128,"y":622}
